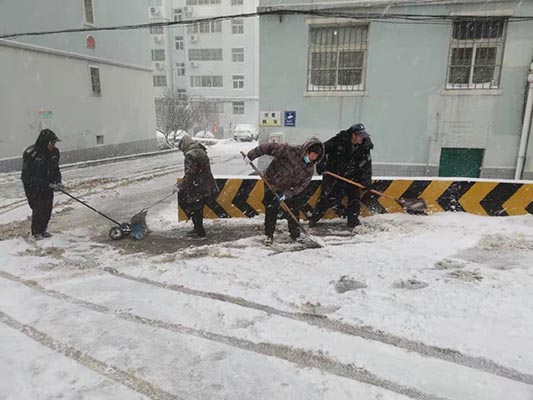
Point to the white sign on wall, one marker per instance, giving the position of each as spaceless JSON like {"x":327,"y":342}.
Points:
{"x":269,"y":118}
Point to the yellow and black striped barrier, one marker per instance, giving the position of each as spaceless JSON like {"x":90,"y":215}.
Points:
{"x":243,"y":197}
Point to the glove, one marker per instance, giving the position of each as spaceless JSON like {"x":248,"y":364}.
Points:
{"x":56,"y":186}
{"x":281,"y":197}
{"x":246,"y":160}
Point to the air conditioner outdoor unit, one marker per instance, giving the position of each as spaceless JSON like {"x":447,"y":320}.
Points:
{"x":194,"y":64}
{"x":158,"y":38}
{"x":155,"y":11}
{"x":159,"y":65}
{"x":194,"y":38}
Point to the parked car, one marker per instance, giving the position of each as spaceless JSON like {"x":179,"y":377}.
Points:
{"x":173,"y":141}
{"x":245,"y":133}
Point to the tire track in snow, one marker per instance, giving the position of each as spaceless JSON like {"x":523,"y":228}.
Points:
{"x":365,"y":332}
{"x":300,"y":357}
{"x":115,"y":374}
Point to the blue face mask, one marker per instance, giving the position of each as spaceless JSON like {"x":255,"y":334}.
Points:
{"x":307,"y":160}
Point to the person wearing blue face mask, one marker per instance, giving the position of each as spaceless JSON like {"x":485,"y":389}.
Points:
{"x":289,"y":173}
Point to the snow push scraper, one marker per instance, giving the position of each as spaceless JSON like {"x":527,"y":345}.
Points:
{"x":137,"y":227}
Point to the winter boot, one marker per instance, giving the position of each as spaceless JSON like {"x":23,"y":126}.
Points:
{"x":47,"y":235}
{"x":353,"y":222}
{"x":312,"y":222}
{"x":268,"y":240}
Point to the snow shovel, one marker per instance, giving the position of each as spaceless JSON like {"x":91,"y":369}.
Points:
{"x":411,"y":206}
{"x":139,"y":228}
{"x":283,"y":205}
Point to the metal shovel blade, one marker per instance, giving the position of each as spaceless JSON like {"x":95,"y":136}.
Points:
{"x":139,"y":228}
{"x":413,"y":206}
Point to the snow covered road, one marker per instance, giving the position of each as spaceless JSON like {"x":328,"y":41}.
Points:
{"x":405,"y":307}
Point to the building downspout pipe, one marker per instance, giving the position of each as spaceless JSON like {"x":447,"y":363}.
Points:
{"x":525,"y":127}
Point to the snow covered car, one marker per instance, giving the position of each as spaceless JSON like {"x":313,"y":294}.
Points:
{"x":173,"y":141}
{"x":205,"y":137}
{"x":245,"y":133}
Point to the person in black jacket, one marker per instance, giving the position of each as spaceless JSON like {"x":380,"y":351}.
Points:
{"x":347,"y":154}
{"x":40,"y":177}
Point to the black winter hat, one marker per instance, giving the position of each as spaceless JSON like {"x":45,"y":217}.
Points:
{"x":358,"y":129}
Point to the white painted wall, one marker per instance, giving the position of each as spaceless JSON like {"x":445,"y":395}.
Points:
{"x":32,"y":81}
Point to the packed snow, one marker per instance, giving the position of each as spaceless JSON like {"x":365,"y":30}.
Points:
{"x":402,"y":307}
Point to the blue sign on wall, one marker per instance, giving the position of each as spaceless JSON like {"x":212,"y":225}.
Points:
{"x":290,"y":118}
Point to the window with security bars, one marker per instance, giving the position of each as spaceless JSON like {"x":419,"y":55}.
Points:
{"x":158,"y":55}
{"x":205,"y":55}
{"x":206,"y":81}
{"x":160,"y":80}
{"x":96,"y":88}
{"x":202,"y":2}
{"x":156,"y":30}
{"x":476,"y":53}
{"x":89,"y":11}
{"x":205,"y":27}
{"x":337,"y":58}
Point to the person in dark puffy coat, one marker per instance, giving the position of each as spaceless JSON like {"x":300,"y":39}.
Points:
{"x":289,"y":173}
{"x":198,"y":185}
{"x":347,"y":154}
{"x":40,"y":177}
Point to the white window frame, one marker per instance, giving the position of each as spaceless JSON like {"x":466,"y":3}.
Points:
{"x":476,"y":44}
{"x":237,"y":26}
{"x":237,"y":56}
{"x":93,"y":93}
{"x":87,"y":22}
{"x":238,"y":82}
{"x":238,"y":105}
{"x":179,"y":42}
{"x":177,"y":14}
{"x":358,"y":46}
{"x":180,"y":69}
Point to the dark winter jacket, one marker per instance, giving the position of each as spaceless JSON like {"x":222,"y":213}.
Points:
{"x":351,"y":161}
{"x":198,"y":181}
{"x":288,"y":173}
{"x":40,"y":167}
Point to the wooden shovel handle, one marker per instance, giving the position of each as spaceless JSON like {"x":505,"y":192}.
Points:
{"x":357,"y":184}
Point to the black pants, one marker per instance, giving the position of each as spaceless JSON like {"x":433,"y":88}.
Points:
{"x":333,"y":191}
{"x":194,"y":211}
{"x":272,"y":208}
{"x":41,"y":203}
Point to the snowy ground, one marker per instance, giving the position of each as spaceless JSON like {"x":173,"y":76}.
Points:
{"x":435,"y":307}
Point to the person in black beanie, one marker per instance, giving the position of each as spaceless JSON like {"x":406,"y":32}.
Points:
{"x":348,"y":155}
{"x":40,"y":177}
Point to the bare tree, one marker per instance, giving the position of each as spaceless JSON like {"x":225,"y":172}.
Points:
{"x":205,"y":112}
{"x":176,"y":111}
{"x":173,"y":113}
